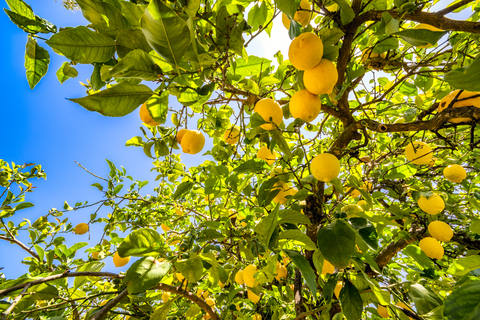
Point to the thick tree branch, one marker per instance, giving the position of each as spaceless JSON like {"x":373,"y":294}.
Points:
{"x":391,"y":250}
{"x":200,"y":302}
{"x":112,"y":303}
{"x":454,"y":7}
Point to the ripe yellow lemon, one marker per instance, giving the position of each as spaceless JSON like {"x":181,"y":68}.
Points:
{"x":265,"y":154}
{"x":164,"y":227}
{"x":192,"y":142}
{"x":252,"y":296}
{"x":239,"y":277}
{"x":270,"y":111}
{"x":231,"y":136}
{"x":281,"y":271}
{"x":338,"y":288}
{"x":302,"y":16}
{"x":248,"y":276}
{"x":432,"y":205}
{"x":420,"y":150}
{"x":180,"y":134}
{"x":322,"y":78}
{"x":383,"y":311}
{"x":95,"y":255}
{"x":440,"y":230}
{"x":285,"y":190}
{"x":305,"y":51}
{"x":210,"y":302}
{"x":166,"y":297}
{"x":81,"y":228}
{"x":327,"y":268}
{"x":119,"y":261}
{"x":257,"y":316}
{"x":432,"y":248}
{"x":454,"y":173}
{"x":367,"y":186}
{"x":465,"y":99}
{"x":305,"y":106}
{"x":146,"y":117}
{"x":325,"y":167}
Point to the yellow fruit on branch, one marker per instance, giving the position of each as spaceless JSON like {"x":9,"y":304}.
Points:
{"x":418,"y":152}
{"x":81,"y":228}
{"x":231,"y":136}
{"x":95,"y":255}
{"x":119,"y":261}
{"x":257,"y":316}
{"x":363,"y":204}
{"x":146,"y":117}
{"x":239,"y":277}
{"x":210,"y":302}
{"x":285,"y":190}
{"x":463,"y":99}
{"x":325,"y":167}
{"x":180,"y":134}
{"x":248,"y":276}
{"x":432,"y":205}
{"x":302,"y":16}
{"x":322,"y":78}
{"x":440,"y":230}
{"x":192,"y":142}
{"x":454,"y":173}
{"x":252,"y":296}
{"x":281,"y":271}
{"x":305,"y":51}
{"x":166,"y":297}
{"x":383,"y":311}
{"x":432,"y":248}
{"x":270,"y":111}
{"x":305,"y":106}
{"x":327,"y":268}
{"x":265,"y":154}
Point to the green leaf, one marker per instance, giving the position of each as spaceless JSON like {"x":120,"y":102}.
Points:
{"x":330,"y":36}
{"x":128,"y":40}
{"x":402,"y":172}
{"x":366,"y":231}
{"x":265,"y":193}
{"x":136,"y":64}
{"x":462,"y":302}
{"x":289,"y":7}
{"x":251,"y":66}
{"x":96,"y":79}
{"x":23,"y":205}
{"x":465,"y":78}
{"x":385,"y":44}
{"x":346,"y":12}
{"x":475,"y":227}
{"x":165,"y":32}
{"x":191,"y":269}
{"x":91,"y":266}
{"x":351,"y":301}
{"x":256,"y":120}
{"x":252,"y":165}
{"x":161,"y":312}
{"x":425,"y":300}
{"x":21,"y":8}
{"x":304,"y":266}
{"x":82,"y":45}
{"x":141,"y":242}
{"x":193,"y":311}
{"x":336,"y":243}
{"x":420,"y":37}
{"x":105,"y":18}
{"x":296,"y":237}
{"x":183,"y":188}
{"x":192,"y":7}
{"x":295,"y":29}
{"x":28,"y":25}
{"x":161,"y":148}
{"x":462,"y":266}
{"x":157,"y":106}
{"x":266,"y":227}
{"x":257,"y":16}
{"x":293,"y":217}
{"x":418,"y":255}
{"x":281,"y":142}
{"x":135,"y":141}
{"x":145,"y":273}
{"x":116,"y":101}
{"x":36,"y":62}
{"x":66,"y":72}
{"x":337,"y":184}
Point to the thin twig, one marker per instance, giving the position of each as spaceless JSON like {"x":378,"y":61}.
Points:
{"x":112,"y":303}
{"x":93,"y":174}
{"x":15,"y":301}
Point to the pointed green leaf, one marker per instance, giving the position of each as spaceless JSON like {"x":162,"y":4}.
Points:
{"x":105,"y":18}
{"x":462,"y":302}
{"x":27,"y":25}
{"x":82,"y":45}
{"x":346,"y":12}
{"x":141,"y":242}
{"x":366,"y":231}
{"x":161,"y":312}
{"x":293,"y":217}
{"x":66,"y":72}
{"x":192,"y":7}
{"x":183,"y":188}
{"x":252,"y":165}
{"x":128,"y":40}
{"x":462,"y":266}
{"x":136,"y":64}
{"x":418,"y":255}
{"x":296,"y":237}
{"x":21,"y":8}
{"x":91,"y":266}
{"x":191,"y":269}
{"x":351,"y":301}
{"x":289,"y":7}
{"x":466,"y":78}
{"x":425,"y":299}
{"x":145,"y":273}
{"x":116,"y":101}
{"x":420,"y":37}
{"x":157,"y":106}
{"x":266,"y":227}
{"x":304,"y":266}
{"x":337,"y":243}
{"x":281,"y":142}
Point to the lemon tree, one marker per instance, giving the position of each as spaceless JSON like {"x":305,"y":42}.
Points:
{"x":337,"y":178}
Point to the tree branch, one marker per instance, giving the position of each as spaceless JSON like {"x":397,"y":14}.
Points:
{"x":14,"y":303}
{"x":23,"y":246}
{"x":453,"y":7}
{"x":392,"y":249}
{"x":112,"y":303}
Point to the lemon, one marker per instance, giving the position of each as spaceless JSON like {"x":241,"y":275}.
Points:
{"x":166,"y":297}
{"x":81,"y":228}
{"x":327,"y":268}
{"x":465,"y":99}
{"x":305,"y":106}
{"x":119,"y":261}
{"x":281,"y":271}
{"x":203,"y":293}
{"x":325,"y":167}
{"x":302,"y":16}
{"x":231,"y":136}
{"x":278,"y":170}
{"x":239,"y":277}
{"x":164,"y":227}
{"x":454,"y":173}
{"x":322,"y":78}
{"x":285,"y":190}
{"x":305,"y":51}
{"x":210,"y":302}
{"x":352,"y":210}
{"x":383,"y":311}
{"x":440,"y":230}
{"x":248,"y":276}
{"x":270,"y":111}
{"x":432,"y":205}
{"x":363,"y":204}
{"x":146,"y":117}
{"x":265,"y":154}
{"x":180,"y":134}
{"x":418,"y":152}
{"x":179,"y":211}
{"x":432,"y":248}
{"x":95,"y":255}
{"x":367,"y":186}
{"x":192,"y":142}
{"x":257,"y":316}
{"x":252,"y":296}
{"x":338,"y":288}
